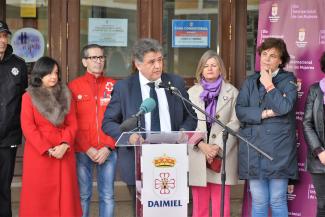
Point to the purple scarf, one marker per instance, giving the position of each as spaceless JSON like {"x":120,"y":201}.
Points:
{"x":209,"y":94}
{"x":322,"y":87}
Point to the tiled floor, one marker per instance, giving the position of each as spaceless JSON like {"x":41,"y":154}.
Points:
{"x":122,"y":209}
{"x":123,"y":203}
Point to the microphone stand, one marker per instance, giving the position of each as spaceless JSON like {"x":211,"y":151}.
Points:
{"x":138,"y":153}
{"x":226,"y":132}
{"x":138,"y":123}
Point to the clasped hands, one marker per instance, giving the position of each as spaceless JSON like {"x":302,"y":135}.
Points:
{"x":209,"y":150}
{"x":98,"y":155}
{"x":58,"y":151}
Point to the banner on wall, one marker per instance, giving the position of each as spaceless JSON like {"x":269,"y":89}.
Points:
{"x":301,"y":24}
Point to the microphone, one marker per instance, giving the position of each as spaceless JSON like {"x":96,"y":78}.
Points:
{"x":148,"y":105}
{"x":166,"y":86}
{"x":131,"y":123}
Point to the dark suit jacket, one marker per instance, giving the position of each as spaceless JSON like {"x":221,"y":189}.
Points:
{"x":126,"y":101}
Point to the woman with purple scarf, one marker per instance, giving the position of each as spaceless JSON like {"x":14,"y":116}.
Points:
{"x":313,"y":126}
{"x":217,"y":97}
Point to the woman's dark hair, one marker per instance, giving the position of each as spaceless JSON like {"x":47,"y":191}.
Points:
{"x":278,"y":44}
{"x":43,"y":66}
{"x":322,"y":62}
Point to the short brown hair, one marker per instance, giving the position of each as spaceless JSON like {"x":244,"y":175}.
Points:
{"x":278,"y":44}
{"x":84,"y":52}
{"x":205,"y":57}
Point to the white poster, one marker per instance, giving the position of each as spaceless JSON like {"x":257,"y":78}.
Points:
{"x":108,"y":32}
{"x":164,"y":170}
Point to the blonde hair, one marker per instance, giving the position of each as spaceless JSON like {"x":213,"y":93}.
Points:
{"x":205,"y":57}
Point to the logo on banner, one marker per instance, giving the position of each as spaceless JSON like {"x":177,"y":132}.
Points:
{"x":301,"y":38}
{"x":274,"y":13}
{"x":311,"y":192}
{"x":291,"y":196}
{"x":322,"y":36}
{"x":299,"y":87}
{"x":164,"y":176}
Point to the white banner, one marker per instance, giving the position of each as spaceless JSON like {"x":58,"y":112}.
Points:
{"x":164,"y":170}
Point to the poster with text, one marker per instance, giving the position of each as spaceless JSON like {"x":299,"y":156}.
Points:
{"x":108,"y":32}
{"x":191,"y":33}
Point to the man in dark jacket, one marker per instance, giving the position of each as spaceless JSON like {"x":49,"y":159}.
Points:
{"x":170,"y":113}
{"x":13,"y":81}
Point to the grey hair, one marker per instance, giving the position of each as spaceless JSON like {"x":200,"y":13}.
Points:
{"x":143,"y":46}
{"x":85,"y":49}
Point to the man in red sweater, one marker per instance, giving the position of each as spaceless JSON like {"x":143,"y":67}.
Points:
{"x":91,"y":94}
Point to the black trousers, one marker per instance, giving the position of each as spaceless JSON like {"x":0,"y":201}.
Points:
{"x":7,"y":167}
{"x":319,"y":184}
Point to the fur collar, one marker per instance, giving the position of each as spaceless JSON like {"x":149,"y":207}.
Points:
{"x":53,"y":104}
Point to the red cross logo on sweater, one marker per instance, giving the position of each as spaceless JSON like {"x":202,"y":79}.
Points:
{"x":109,"y":86}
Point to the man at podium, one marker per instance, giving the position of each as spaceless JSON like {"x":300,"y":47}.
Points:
{"x":169,"y":114}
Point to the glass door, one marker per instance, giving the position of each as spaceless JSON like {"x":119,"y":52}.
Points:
{"x":190,"y":28}
{"x":29,"y":26}
{"x":112,"y":24}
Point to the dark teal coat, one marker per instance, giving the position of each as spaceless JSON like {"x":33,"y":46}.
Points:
{"x":276,"y":136}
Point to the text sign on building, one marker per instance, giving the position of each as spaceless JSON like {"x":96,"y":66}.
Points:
{"x":108,"y":32}
{"x":191,"y":33}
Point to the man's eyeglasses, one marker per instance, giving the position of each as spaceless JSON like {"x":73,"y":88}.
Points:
{"x":96,"y":58}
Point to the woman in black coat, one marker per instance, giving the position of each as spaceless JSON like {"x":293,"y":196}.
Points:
{"x":313,"y":126}
{"x":265,"y":108}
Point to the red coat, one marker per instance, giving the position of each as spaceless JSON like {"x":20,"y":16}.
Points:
{"x":49,"y":186}
{"x":91,"y":97}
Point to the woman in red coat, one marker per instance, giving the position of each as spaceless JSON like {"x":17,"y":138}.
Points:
{"x":49,"y":183}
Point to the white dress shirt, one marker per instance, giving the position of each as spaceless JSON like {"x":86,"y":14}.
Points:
{"x":165,"y":124}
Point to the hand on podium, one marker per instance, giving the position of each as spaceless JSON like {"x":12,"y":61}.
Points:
{"x":136,"y":139}
{"x":182,"y":138}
